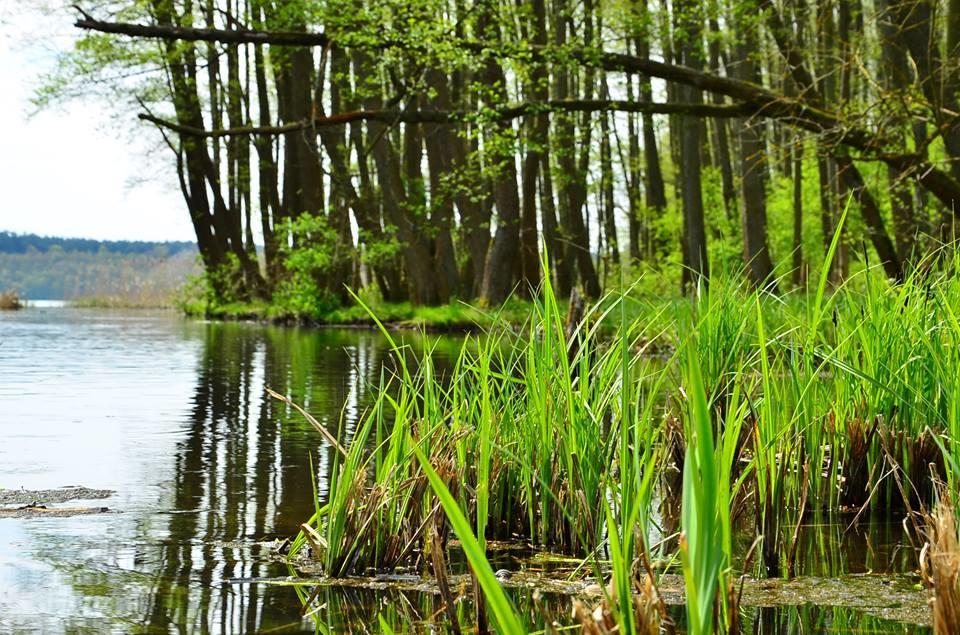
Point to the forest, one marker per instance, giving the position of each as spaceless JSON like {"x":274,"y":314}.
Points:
{"x":431,"y":150}
{"x":730,"y":225}
{"x":14,"y":243}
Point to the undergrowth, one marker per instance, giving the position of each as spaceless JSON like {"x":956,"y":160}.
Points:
{"x":575,"y":437}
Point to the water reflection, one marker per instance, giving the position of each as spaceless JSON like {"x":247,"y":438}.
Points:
{"x":242,"y":472}
{"x":208,"y":469}
{"x":784,"y":620}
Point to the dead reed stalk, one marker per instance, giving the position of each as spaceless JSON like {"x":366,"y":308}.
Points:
{"x":940,"y":565}
{"x":600,"y":620}
{"x":10,"y":301}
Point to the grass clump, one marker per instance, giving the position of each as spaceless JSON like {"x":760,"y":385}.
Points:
{"x":570,"y":436}
{"x":10,"y":301}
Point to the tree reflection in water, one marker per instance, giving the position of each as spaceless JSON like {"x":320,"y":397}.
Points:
{"x":242,"y":473}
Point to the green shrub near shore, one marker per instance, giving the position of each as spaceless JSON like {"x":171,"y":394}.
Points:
{"x":453,"y":316}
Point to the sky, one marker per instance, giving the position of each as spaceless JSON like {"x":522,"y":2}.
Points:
{"x":77,"y":169}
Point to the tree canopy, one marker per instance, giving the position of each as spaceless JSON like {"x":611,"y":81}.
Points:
{"x":430,"y":149}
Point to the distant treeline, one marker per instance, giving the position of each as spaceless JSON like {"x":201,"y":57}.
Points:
{"x":120,"y":272}
{"x":11,"y":243}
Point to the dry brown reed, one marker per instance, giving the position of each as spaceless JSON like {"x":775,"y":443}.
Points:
{"x":648,"y":610}
{"x":10,"y":301}
{"x":940,"y":565}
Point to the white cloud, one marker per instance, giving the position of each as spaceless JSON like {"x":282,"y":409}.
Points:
{"x":71,"y":170}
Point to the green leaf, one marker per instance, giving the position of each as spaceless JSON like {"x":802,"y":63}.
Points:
{"x":503,"y":612}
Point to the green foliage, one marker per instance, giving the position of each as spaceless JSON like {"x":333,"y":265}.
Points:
{"x":310,"y":264}
{"x":566,"y":436}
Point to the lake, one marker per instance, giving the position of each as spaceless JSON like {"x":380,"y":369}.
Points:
{"x":208,"y":470}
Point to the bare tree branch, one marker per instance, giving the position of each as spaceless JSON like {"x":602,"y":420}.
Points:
{"x":190,"y":34}
{"x":761,"y":100}
{"x":458,"y":116}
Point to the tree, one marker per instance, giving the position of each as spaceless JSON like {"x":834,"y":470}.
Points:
{"x":404,"y":127}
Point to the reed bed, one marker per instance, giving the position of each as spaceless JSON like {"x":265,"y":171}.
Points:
{"x":766,"y":411}
{"x":10,"y":301}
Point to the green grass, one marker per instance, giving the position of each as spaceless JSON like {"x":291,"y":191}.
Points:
{"x":568,"y":436}
{"x":455,"y":316}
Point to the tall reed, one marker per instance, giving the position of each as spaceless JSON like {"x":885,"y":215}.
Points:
{"x":564,"y":435}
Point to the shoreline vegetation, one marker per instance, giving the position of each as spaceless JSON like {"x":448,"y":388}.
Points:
{"x":456,"y":316}
{"x":767,"y":415}
{"x":10,"y":301}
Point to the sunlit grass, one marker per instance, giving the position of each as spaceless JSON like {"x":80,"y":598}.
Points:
{"x":572,"y":437}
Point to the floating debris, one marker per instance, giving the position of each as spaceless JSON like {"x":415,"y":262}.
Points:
{"x":51,"y":496}
{"x":24,"y":503}
{"x":41,"y":511}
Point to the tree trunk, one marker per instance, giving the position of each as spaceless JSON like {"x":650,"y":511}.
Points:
{"x":799,"y":269}
{"x":753,"y":167}
{"x":268,"y":174}
{"x":721,"y":141}
{"x":343,"y":197}
{"x":607,"y":206}
{"x":897,"y":78}
{"x":439,"y":141}
{"x":503,"y":259}
{"x":397,"y":212}
{"x":574,"y":170}
{"x":655,"y":190}
{"x":217,"y":233}
{"x":538,"y":130}
{"x":695,"y":237}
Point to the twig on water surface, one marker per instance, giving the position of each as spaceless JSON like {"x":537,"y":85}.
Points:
{"x":332,"y":440}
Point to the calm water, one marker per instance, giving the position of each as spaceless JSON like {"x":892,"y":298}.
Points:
{"x":209,"y":472}
{"x":172,"y":415}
